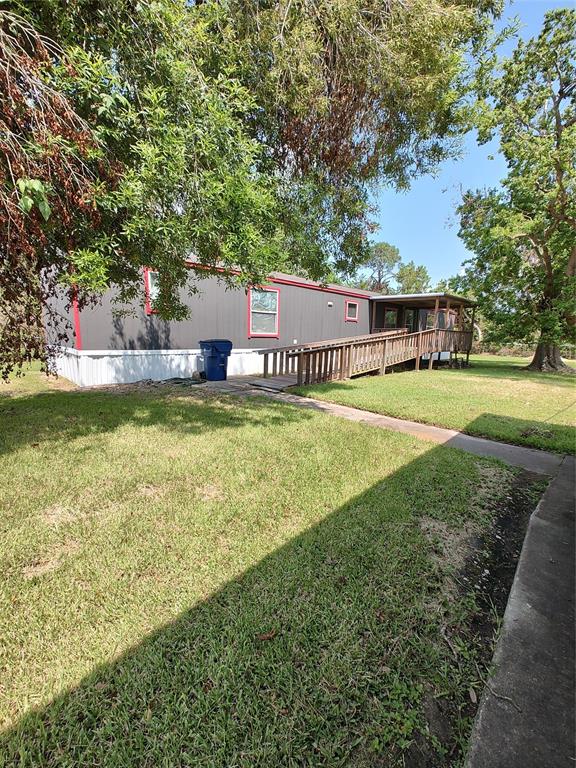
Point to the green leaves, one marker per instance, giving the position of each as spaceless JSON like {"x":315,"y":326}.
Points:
{"x":250,"y":137}
{"x":524,"y":234}
{"x":33,"y":192}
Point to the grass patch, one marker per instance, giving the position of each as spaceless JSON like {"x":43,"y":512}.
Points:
{"x":494,"y":398}
{"x":202,"y":581}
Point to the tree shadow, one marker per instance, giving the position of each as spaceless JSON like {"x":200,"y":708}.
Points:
{"x":155,"y":334}
{"x":54,"y":418}
{"x":505,"y":369}
{"x":531,"y":433}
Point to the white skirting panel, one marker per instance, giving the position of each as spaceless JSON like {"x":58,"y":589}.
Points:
{"x":121,"y":366}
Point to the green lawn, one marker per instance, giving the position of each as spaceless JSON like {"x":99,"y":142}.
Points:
{"x":494,"y":398}
{"x":194,"y":581}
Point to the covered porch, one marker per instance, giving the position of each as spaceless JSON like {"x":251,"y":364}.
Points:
{"x":421,"y":312}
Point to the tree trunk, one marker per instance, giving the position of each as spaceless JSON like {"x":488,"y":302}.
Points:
{"x":547,"y":358}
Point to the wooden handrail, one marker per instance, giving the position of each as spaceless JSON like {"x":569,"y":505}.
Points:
{"x":344,"y":358}
{"x":334,"y":342}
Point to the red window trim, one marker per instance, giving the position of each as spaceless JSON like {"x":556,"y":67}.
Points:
{"x":276,"y":334}
{"x":148,"y":303}
{"x":348,"y":319}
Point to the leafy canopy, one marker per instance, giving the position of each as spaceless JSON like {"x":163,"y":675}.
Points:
{"x":244,"y":134}
{"x":382,"y":263}
{"x":523,"y":235}
{"x":384,"y":271}
{"x":411,"y":278}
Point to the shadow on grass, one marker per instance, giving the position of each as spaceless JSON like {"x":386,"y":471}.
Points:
{"x":327,"y":652}
{"x":60,"y":417}
{"x":504,"y":369}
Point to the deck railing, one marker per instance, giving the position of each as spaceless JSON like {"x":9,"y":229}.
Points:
{"x":282,"y":361}
{"x":344,"y":358}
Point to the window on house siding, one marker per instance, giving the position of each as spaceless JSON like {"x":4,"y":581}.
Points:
{"x":351,"y":311}
{"x":264,"y":311}
{"x":152,"y":289}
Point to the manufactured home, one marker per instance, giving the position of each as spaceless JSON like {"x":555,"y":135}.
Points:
{"x":287,"y":312}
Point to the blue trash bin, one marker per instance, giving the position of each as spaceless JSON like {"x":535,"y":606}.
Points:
{"x":215,"y":353}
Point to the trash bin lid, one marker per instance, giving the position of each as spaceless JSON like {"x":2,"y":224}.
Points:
{"x":221,"y":345}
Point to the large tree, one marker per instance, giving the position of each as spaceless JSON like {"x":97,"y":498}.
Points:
{"x":248,"y":134}
{"x":523,"y":235}
{"x":381,"y":266}
{"x":412,"y":278}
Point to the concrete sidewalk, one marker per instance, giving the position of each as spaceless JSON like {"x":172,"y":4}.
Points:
{"x":526,"y":715}
{"x":528,"y":458}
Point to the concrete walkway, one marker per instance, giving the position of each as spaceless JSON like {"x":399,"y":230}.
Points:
{"x":526,"y":715}
{"x":527,"y":458}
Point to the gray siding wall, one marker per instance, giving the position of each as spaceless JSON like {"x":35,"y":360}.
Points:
{"x":305,"y":316}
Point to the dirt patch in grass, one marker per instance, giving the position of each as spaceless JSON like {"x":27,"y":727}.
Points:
{"x":483,"y":562}
{"x":210,"y":492}
{"x":491,"y":566}
{"x":451,"y":546}
{"x":43,"y":565}
{"x":151,"y":491}
{"x":57,"y":514}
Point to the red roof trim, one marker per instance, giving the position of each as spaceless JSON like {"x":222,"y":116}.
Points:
{"x":324,"y":289}
{"x":286,"y":281}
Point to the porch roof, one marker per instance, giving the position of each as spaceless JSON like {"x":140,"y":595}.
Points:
{"x":423,"y":300}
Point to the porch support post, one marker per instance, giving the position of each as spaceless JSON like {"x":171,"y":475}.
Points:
{"x":449,"y":338}
{"x":300,"y":368}
{"x":384,"y":352}
{"x":435,"y":344}
{"x":471,"y":334}
{"x":373,"y":319}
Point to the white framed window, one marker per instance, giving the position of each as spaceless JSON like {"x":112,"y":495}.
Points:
{"x":351,"y":312}
{"x":263,"y":312}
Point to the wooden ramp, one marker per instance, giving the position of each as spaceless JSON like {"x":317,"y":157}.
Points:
{"x":274,"y":383}
{"x":345,"y":358}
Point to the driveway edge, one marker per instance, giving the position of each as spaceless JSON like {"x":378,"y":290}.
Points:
{"x":526,"y":714}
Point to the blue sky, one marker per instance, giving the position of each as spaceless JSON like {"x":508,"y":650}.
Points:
{"x":422,"y":222}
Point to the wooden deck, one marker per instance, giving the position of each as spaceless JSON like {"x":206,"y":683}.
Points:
{"x":345,"y":358}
